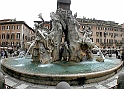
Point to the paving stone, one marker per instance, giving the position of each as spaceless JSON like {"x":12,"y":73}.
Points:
{"x":111,"y":84}
{"x":10,"y":82}
{"x":101,"y":87}
{"x":77,"y":87}
{"x":18,"y":84}
{"x":93,"y":87}
{"x":30,"y":87}
{"x":22,"y":86}
{"x":90,"y":85}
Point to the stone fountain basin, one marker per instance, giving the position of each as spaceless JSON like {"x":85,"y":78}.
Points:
{"x":55,"y":78}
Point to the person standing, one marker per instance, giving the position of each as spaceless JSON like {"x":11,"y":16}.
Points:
{"x":11,"y":51}
{"x":116,"y":52}
{"x":122,"y":55}
{"x":2,"y":54}
{"x":6,"y":55}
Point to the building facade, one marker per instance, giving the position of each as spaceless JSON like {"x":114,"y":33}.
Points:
{"x":13,"y":34}
{"x":123,"y":34}
{"x":106,"y":34}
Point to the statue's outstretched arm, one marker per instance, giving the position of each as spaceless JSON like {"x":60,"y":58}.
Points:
{"x":40,"y":16}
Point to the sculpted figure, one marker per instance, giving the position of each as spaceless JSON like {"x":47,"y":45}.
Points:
{"x":40,"y":53}
{"x":64,"y":41}
{"x":56,"y":32}
{"x":42,"y":23}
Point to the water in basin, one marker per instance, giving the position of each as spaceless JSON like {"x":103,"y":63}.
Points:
{"x":25,"y":65}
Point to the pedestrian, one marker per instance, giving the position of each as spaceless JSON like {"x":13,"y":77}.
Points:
{"x":2,"y":53}
{"x":11,"y":51}
{"x":122,"y":55}
{"x":116,"y":52}
{"x":6,"y":55}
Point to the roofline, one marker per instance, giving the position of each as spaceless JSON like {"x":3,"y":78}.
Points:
{"x":16,"y":22}
{"x":42,"y":21}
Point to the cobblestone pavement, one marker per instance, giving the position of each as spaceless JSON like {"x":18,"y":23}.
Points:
{"x":106,"y":84}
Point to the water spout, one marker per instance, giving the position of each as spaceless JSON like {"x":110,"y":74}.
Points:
{"x":32,"y":44}
{"x":101,"y":54}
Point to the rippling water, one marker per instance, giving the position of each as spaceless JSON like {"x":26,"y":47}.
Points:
{"x":25,"y":65}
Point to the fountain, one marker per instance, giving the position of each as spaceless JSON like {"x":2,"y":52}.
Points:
{"x":61,"y":54}
{"x":51,"y":46}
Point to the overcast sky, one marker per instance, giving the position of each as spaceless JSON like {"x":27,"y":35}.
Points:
{"x":28,"y":10}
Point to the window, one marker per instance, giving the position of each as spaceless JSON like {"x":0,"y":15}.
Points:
{"x":3,"y":27}
{"x":111,"y":34}
{"x":12,"y":43}
{"x":97,"y":33}
{"x":6,"y":43}
{"x":18,"y":36}
{"x":7,"y":36}
{"x":104,"y":34}
{"x":105,"y":28}
{"x":13,"y":27}
{"x":18,"y":26}
{"x":101,"y":34}
{"x":104,"y":40}
{"x":100,"y":40}
{"x":8,"y":27}
{"x":3,"y":36}
{"x":97,"y":40}
{"x":12,"y":36}
{"x":115,"y":34}
{"x":18,"y":44}
{"x":96,"y":28}
{"x":110,"y":40}
{"x":3,"y":44}
{"x":121,"y":35}
{"x":107,"y":40}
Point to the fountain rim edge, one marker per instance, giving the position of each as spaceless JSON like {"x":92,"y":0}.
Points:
{"x":101,"y":73}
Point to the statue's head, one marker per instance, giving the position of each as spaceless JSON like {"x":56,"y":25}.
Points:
{"x":36,"y":25}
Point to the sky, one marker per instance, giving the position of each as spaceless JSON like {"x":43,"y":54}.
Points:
{"x":28,"y":10}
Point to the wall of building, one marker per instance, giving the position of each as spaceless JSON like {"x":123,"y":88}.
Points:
{"x":14,"y":30}
{"x":23,"y":33}
{"x":106,"y":34}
